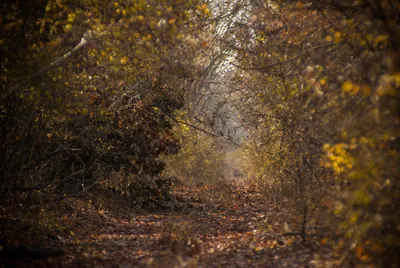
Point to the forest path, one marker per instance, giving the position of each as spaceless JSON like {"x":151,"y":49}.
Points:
{"x":215,"y":226}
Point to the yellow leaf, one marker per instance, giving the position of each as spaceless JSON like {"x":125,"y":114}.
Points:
{"x":257,"y":249}
{"x":68,"y":27}
{"x":347,"y":86}
{"x":124,"y":60}
{"x":396,"y":79}
{"x":172,"y":21}
{"x":338,"y":37}
{"x":71,"y":17}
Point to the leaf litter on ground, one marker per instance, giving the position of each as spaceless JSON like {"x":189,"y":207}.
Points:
{"x":218,"y":226}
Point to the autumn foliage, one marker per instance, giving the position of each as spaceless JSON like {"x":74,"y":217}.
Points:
{"x":320,"y":84}
{"x":106,"y":100}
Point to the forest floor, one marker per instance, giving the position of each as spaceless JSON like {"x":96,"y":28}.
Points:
{"x":223,"y":225}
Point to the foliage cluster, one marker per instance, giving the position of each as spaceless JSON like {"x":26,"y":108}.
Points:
{"x":319,"y":97}
{"x":88,"y":94}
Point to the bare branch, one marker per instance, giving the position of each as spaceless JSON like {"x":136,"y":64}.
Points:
{"x":52,"y":65}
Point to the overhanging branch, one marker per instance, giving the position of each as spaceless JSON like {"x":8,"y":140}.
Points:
{"x":56,"y":63}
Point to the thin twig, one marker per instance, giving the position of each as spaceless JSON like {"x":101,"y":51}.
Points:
{"x":285,"y":61}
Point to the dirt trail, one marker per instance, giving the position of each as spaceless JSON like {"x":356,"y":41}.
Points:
{"x":212,"y":226}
